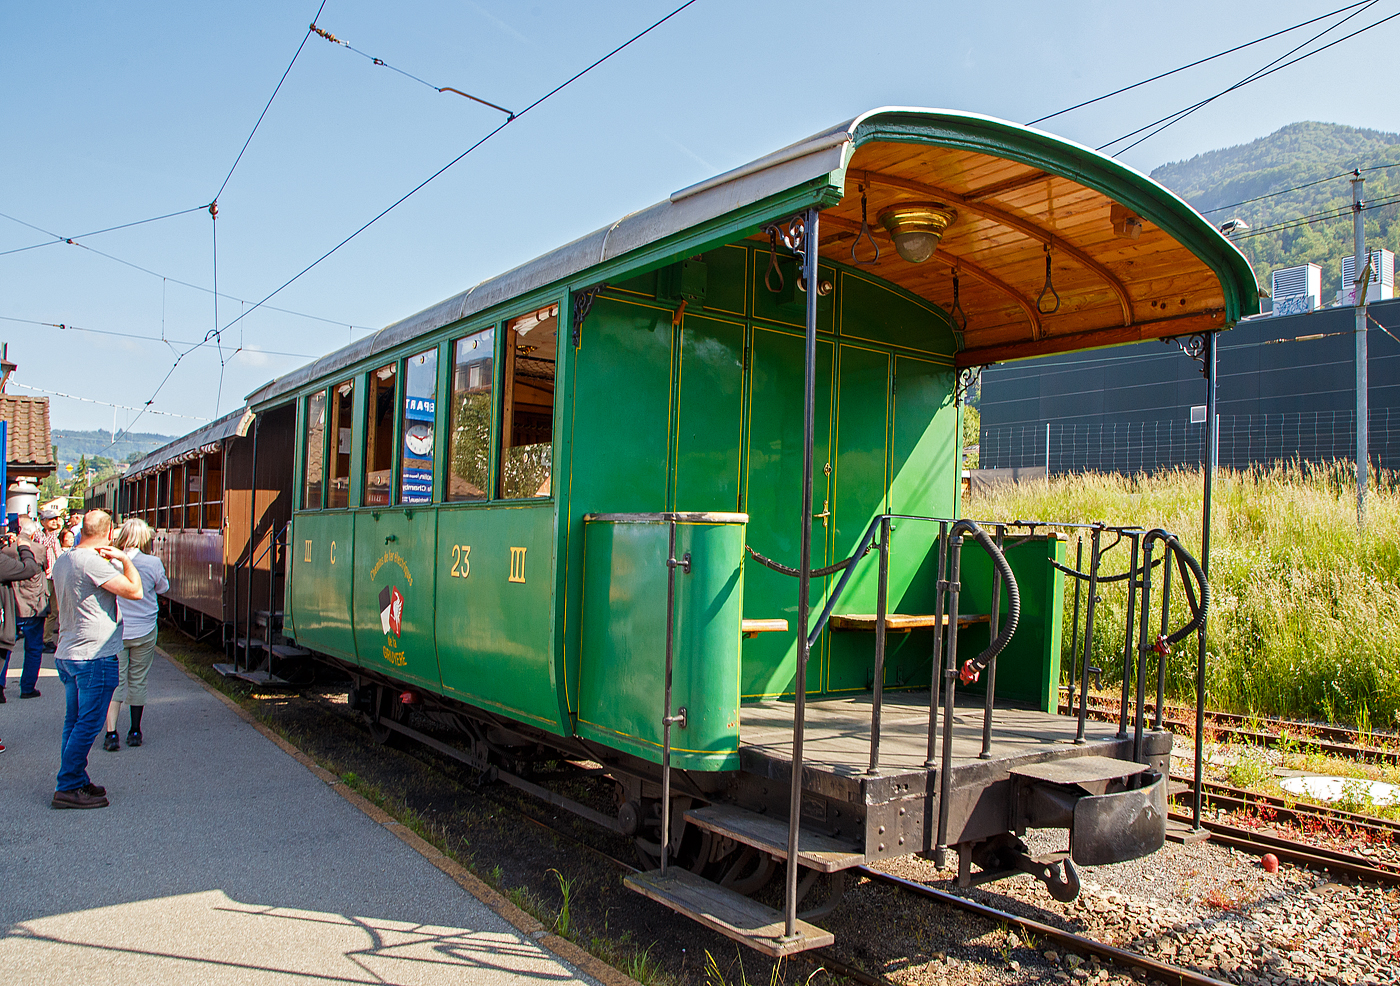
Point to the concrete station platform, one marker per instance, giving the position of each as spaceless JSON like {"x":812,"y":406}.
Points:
{"x":224,"y":860}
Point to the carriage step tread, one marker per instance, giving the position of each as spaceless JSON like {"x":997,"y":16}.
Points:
{"x":261,"y":678}
{"x":814,"y":850}
{"x":1079,"y":770}
{"x":278,"y":650}
{"x":899,"y":622}
{"x":742,"y":918}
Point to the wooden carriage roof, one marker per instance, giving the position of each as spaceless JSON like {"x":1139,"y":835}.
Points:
{"x":1020,"y":195}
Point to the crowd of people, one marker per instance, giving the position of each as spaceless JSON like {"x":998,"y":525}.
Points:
{"x":87,"y":592}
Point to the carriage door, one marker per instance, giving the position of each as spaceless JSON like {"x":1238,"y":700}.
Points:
{"x":396,"y":537}
{"x":772,"y":499}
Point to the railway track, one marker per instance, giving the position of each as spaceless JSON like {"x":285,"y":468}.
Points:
{"x":1235,"y":799}
{"x":1231,"y":724}
{"x":1160,"y":971}
{"x":1126,"y":959}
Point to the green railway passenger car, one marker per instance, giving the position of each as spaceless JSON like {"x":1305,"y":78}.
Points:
{"x":541,"y":511}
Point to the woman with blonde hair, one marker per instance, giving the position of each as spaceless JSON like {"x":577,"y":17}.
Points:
{"x":138,"y":632}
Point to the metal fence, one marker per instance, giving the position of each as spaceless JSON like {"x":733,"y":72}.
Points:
{"x":1146,"y":446}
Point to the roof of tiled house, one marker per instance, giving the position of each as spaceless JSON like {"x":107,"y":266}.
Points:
{"x":30,"y":447}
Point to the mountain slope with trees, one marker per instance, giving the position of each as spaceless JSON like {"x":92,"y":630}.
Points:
{"x":1299,"y":154}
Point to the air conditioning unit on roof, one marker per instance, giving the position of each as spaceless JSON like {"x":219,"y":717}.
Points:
{"x":1381,"y":286}
{"x":1296,"y":289}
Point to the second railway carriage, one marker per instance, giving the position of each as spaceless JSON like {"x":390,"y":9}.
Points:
{"x":217,"y":508}
{"x":569,"y":509}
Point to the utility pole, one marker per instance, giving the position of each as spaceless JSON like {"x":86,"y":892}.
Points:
{"x":1361,"y":267}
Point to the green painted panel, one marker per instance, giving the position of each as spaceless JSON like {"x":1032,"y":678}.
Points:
{"x":924,"y":450}
{"x":773,"y":307}
{"x":709,"y":432}
{"x":494,"y":635}
{"x":622,"y":665}
{"x":394,"y":575}
{"x":860,"y":481}
{"x":622,"y":400}
{"x":1029,"y":669}
{"x":773,"y":500}
{"x":322,"y":551}
{"x":728,"y":276}
{"x":879,"y":312}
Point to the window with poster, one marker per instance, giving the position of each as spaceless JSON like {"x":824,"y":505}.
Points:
{"x":419,"y":427}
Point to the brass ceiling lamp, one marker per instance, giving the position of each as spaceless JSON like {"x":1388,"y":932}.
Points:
{"x":916,"y":227}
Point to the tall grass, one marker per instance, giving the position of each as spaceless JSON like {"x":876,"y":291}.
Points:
{"x":1305,"y":611}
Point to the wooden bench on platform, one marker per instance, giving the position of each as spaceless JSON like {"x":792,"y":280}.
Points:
{"x":901,"y":622}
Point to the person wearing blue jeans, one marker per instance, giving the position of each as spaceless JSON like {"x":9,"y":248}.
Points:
{"x":18,"y":569}
{"x":89,"y":686}
{"x":86,"y":588}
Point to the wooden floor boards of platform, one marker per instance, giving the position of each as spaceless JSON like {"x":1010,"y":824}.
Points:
{"x":838,"y":731}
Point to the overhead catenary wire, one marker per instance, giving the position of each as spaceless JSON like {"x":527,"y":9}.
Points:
{"x":409,"y":75}
{"x":497,"y":129}
{"x":57,"y":238}
{"x":1267,"y":70}
{"x":306,"y":37}
{"x":493,"y":132}
{"x":1329,"y":215}
{"x":1190,"y":65}
{"x":105,"y":404}
{"x":1295,"y":188}
{"x":73,"y":241}
{"x":69,"y":327}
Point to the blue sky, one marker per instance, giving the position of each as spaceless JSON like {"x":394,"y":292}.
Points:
{"x":113,"y":113}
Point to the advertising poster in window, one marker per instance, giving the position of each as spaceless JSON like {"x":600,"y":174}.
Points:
{"x":418,"y":417}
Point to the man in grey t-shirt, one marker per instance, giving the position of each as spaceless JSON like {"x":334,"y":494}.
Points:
{"x":86,"y":588}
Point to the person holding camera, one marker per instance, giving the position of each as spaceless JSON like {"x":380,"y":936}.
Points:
{"x":87,"y":587}
{"x":17,"y":565}
{"x":138,"y":632}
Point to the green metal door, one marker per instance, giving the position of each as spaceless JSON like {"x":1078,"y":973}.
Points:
{"x":495,"y":609}
{"x":860,"y":479}
{"x":710,"y":414}
{"x":322,"y":552}
{"x":394,"y":593}
{"x":773,"y":501}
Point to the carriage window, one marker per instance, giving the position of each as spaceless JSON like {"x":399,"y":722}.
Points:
{"x":163,"y":498}
{"x":314,"y":460}
{"x":379,"y":437}
{"x":527,"y":419}
{"x":473,"y":380}
{"x":149,"y":486}
{"x":419,"y":417}
{"x":194,"y":484}
{"x":214,"y":491}
{"x":342,"y":414}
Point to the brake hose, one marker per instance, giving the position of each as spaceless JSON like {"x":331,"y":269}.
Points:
{"x":974,"y":667}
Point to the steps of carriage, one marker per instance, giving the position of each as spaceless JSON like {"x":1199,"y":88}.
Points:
{"x":815,"y":850}
{"x":278,"y":649}
{"x":731,"y":914}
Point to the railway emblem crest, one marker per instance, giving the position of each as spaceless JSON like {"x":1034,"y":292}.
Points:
{"x":391,"y":610}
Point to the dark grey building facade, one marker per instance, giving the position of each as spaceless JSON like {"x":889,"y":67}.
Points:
{"x":1286,"y":389}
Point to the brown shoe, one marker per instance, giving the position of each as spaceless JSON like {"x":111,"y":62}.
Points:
{"x":96,"y":790}
{"x":77,"y":798}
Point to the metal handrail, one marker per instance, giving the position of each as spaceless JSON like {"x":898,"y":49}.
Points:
{"x":250,"y":561}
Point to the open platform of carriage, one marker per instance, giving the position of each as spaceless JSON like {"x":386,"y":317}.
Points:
{"x":1033,"y":774}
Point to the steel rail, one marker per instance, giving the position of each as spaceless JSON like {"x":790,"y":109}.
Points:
{"x":1342,"y":734}
{"x":1270,"y":740}
{"x":1223,"y":795}
{"x":1161,"y":971}
{"x":1311,"y":857}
